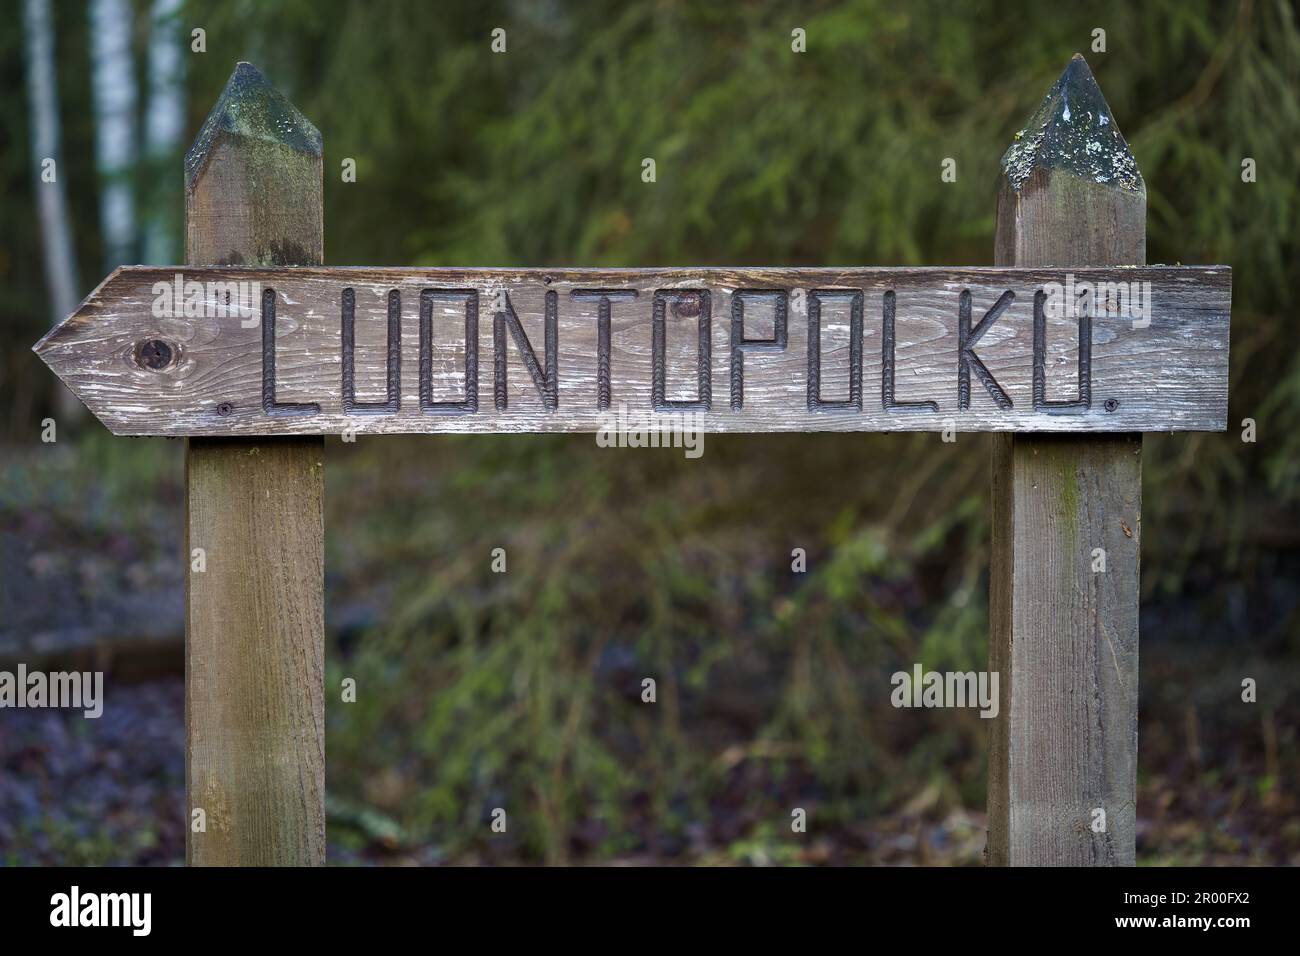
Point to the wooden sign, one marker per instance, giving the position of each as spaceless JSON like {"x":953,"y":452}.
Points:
{"x":234,"y":351}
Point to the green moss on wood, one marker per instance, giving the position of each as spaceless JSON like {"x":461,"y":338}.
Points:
{"x":253,"y":110}
{"x":1073,"y":129}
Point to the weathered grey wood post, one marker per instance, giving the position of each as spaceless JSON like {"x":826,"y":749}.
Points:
{"x":254,"y":633}
{"x":1063,"y":635}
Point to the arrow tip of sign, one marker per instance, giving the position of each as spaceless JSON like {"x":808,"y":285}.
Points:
{"x":251,"y":108}
{"x":51,"y":339}
{"x":1074,"y":131}
{"x":41,"y":347}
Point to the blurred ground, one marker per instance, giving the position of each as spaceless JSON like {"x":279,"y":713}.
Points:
{"x":113,"y":792}
{"x":448,"y":722}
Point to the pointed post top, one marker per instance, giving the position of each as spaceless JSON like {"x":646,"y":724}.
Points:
{"x":1073,"y":131}
{"x":257,"y":154}
{"x":250,"y":108}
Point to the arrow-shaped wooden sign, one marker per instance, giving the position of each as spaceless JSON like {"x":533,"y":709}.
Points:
{"x":234,"y":351}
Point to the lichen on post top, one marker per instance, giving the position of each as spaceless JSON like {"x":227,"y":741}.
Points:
{"x":251,"y":108}
{"x":1074,"y":130}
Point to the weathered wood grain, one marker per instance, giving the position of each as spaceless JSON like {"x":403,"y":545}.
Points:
{"x":254,"y":644}
{"x":254,"y":651}
{"x":1168,"y":372}
{"x":1063,"y":634}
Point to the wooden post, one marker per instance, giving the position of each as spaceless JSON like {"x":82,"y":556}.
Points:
{"x":254,"y":617}
{"x":1063,"y":634}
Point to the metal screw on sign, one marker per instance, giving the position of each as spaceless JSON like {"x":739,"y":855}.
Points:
{"x":688,"y":306}
{"x":154,"y":354}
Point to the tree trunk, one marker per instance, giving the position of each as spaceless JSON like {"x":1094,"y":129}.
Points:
{"x":48,"y":178}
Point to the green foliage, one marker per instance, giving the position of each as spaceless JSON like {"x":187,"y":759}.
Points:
{"x":523,"y":690}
